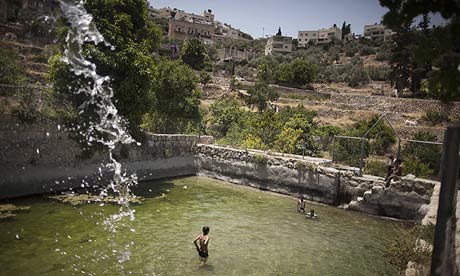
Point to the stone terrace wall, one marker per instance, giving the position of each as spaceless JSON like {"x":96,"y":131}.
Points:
{"x":316,"y":180}
{"x":391,"y":104}
{"x":40,"y":158}
{"x":273,"y":173}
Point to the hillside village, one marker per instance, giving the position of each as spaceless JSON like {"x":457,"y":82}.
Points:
{"x":119,"y":119}
{"x":346,"y":78}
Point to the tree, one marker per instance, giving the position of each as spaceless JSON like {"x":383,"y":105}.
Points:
{"x":261,"y":92}
{"x":205,"y":78}
{"x":424,"y":24}
{"x":194,"y":53}
{"x":221,"y":116}
{"x":130,"y":64}
{"x":177,"y":99}
{"x":401,"y":57}
{"x":442,"y":50}
{"x":279,"y":32}
{"x":346,"y":29}
{"x":302,"y":72}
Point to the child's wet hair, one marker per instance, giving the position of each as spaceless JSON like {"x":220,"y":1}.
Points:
{"x":205,"y":230}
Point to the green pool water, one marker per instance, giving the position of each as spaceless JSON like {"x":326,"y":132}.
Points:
{"x":252,"y":233}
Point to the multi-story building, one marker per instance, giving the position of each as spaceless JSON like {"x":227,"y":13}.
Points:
{"x":319,"y":36}
{"x":278,"y":44}
{"x":377,"y":32}
{"x":181,"y":29}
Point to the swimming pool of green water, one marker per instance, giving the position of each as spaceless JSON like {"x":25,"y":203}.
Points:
{"x":251,"y":233}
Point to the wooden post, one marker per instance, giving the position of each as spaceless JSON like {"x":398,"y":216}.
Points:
{"x":443,"y":257}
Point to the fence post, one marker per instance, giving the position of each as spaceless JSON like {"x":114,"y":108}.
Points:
{"x":333,"y":146}
{"x":443,"y":261}
{"x":361,"y":164}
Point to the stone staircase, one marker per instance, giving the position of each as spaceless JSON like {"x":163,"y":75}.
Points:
{"x":412,"y":193}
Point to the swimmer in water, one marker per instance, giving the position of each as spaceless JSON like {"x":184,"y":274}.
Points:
{"x":203,"y":239}
{"x":311,"y":214}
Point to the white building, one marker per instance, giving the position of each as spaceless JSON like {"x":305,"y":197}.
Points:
{"x":377,"y":32}
{"x":278,"y":44}
{"x":319,"y":36}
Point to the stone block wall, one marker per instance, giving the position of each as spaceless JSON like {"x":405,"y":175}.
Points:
{"x":41,"y":158}
{"x":316,"y":180}
{"x":391,"y":104}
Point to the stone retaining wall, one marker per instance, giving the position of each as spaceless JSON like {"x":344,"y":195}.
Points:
{"x":41,"y":158}
{"x":316,"y":180}
{"x":391,"y":104}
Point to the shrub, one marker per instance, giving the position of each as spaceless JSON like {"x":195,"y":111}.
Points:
{"x":358,"y":76}
{"x":378,"y":73}
{"x":260,"y":158}
{"x":221,"y":116}
{"x":367,"y":50}
{"x":403,"y":249}
{"x":413,"y":166}
{"x":435,"y":117}
{"x":422,"y":158}
{"x":205,"y":78}
{"x":376,"y":167}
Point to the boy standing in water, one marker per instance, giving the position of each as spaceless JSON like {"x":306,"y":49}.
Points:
{"x":203,"y":248}
{"x":301,"y":205}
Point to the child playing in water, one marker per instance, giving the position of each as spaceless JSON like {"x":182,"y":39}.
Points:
{"x":301,"y":205}
{"x":311,"y":214}
{"x":203,"y":248}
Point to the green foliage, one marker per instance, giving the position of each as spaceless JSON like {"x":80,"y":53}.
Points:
{"x":288,"y":140}
{"x":259,"y":158}
{"x":438,"y":48}
{"x":10,"y":71}
{"x":381,"y":137}
{"x":367,"y":50}
{"x":177,"y":99}
{"x":298,"y":73}
{"x":378,"y":73}
{"x":358,"y":76}
{"x":194,"y":53}
{"x":221,"y":116}
{"x":130,"y":66}
{"x":422,"y":160}
{"x":380,"y":140}
{"x":401,"y":57}
{"x":435,"y":117}
{"x":205,"y":78}
{"x":346,"y":29}
{"x":261,"y":92}
{"x":414,"y":166}
{"x":403,"y":249}
{"x":285,"y":131}
{"x":375,"y":167}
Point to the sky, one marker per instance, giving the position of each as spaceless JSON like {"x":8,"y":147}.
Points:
{"x":263,"y":17}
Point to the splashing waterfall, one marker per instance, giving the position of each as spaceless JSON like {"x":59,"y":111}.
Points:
{"x":109,"y":128}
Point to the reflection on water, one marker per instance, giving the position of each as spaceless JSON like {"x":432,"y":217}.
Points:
{"x":252,"y":233}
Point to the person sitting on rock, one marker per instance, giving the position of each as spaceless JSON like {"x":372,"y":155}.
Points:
{"x":311,"y":214}
{"x":391,"y":165}
{"x":396,"y":173}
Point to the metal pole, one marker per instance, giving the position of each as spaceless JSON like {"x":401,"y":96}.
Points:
{"x":333,"y":146}
{"x":361,"y":164}
{"x":443,"y":257}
